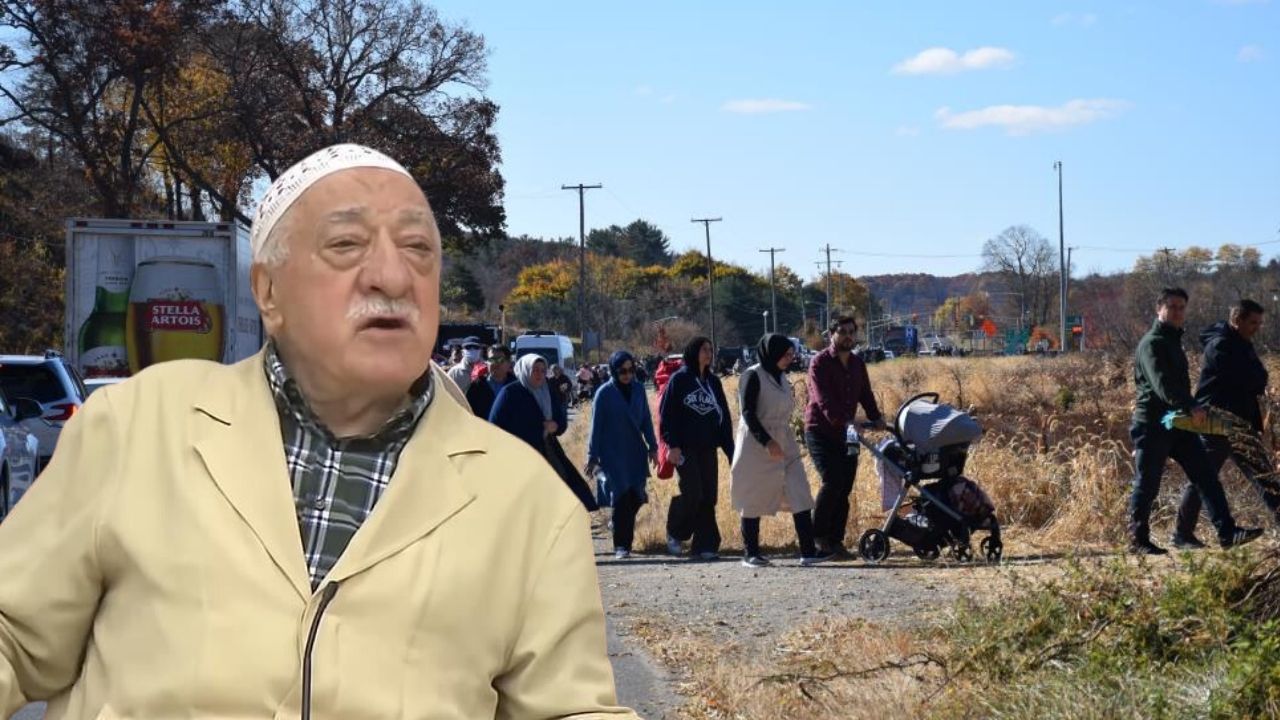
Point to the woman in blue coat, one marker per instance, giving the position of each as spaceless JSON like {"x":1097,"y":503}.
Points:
{"x":622,"y":446}
{"x":528,"y":409}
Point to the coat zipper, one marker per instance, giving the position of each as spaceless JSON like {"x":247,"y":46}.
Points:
{"x":326,"y":596}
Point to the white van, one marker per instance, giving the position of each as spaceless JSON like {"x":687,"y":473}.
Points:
{"x":554,"y":348}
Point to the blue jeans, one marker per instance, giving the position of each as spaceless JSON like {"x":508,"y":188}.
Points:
{"x":1153,"y":444}
{"x":1254,"y":461}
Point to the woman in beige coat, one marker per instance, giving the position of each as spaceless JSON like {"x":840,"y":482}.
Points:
{"x":767,"y":475}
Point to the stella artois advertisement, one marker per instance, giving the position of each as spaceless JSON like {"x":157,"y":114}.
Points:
{"x":149,"y":296}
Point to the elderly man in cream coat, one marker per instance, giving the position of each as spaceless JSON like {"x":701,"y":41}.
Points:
{"x":323,"y":530}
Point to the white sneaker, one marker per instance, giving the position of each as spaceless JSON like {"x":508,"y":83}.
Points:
{"x":621,"y":553}
{"x":816,"y":559}
{"x":756,"y":561}
{"x":674,"y":546}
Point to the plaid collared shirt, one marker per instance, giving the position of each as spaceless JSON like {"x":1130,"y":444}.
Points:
{"x":336,"y":481}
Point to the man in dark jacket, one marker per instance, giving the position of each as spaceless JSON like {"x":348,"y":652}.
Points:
{"x":483,"y":391}
{"x":1164,"y":384}
{"x":838,"y":383}
{"x":1231,"y":379}
{"x":695,"y":423}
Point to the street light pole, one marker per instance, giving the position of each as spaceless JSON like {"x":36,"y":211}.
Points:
{"x":773,"y":291}
{"x":766,"y":322}
{"x":711,"y":275}
{"x":1062,"y":278}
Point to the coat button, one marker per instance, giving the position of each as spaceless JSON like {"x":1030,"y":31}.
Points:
{"x":319,"y":503}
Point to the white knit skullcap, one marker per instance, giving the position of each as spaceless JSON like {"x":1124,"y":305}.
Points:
{"x":307,"y":172}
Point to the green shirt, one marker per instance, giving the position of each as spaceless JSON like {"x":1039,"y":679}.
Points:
{"x":336,"y":481}
{"x":1161,"y":375}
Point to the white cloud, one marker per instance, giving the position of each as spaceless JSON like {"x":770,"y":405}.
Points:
{"x":1081,"y":20}
{"x":907,"y":131}
{"x":1250,"y":53}
{"x":1026,"y":119}
{"x":643,"y":90}
{"x":667,"y":99}
{"x":945,"y":61}
{"x":762,"y":106}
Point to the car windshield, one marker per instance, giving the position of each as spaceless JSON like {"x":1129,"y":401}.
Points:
{"x":550,"y":355}
{"x":37,"y":382}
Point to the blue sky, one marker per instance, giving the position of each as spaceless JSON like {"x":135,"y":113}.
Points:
{"x":892,"y":129}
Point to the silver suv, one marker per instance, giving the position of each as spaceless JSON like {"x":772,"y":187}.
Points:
{"x":49,"y":380}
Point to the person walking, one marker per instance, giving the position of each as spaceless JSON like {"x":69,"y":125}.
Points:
{"x":527,"y":409}
{"x":1163,"y":384}
{"x":621,"y":447}
{"x":767,"y":475}
{"x":838,"y":383}
{"x":486,"y":385}
{"x":694,"y":424}
{"x":1231,"y":379}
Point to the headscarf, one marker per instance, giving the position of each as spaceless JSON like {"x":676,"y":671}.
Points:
{"x":691,"y":352}
{"x":616,"y":361}
{"x":771,"y":349}
{"x":524,"y":375}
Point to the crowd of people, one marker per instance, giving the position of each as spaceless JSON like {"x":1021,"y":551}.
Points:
{"x":693,"y":428}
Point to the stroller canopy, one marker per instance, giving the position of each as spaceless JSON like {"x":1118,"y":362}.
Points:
{"x":930,"y":426}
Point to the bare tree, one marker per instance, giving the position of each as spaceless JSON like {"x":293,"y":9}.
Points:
{"x":1024,"y":259}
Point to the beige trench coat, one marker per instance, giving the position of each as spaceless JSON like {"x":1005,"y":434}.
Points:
{"x":155,"y":570}
{"x":758,"y":484}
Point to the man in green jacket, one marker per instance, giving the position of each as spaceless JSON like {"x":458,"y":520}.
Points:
{"x":1164,"y":383}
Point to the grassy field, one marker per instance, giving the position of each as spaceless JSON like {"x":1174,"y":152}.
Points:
{"x":1055,"y":459}
{"x":1099,"y":636}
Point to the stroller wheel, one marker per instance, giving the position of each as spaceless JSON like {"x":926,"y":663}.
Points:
{"x":962,"y":553}
{"x":873,"y":546}
{"x":992,"y":549}
{"x":928,"y":553}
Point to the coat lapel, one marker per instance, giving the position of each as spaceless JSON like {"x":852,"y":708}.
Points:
{"x":426,"y":489}
{"x":237,"y":435}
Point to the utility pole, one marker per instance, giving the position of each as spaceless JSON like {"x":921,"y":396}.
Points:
{"x":1062,"y":278}
{"x":1168,"y":263}
{"x":711,"y":276}
{"x":582,"y":259}
{"x":773,"y":291}
{"x":828,"y":249}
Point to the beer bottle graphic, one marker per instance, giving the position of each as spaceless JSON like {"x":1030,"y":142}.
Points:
{"x":102,"y":336}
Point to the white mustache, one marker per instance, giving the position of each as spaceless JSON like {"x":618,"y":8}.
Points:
{"x":380,"y":306}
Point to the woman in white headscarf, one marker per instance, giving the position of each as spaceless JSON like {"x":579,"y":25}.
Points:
{"x":529,"y":410}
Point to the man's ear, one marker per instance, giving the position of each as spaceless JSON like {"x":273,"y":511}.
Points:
{"x":264,"y":294}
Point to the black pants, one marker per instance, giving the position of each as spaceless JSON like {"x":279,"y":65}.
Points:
{"x":625,"y":507}
{"x":1153,"y":445}
{"x":1253,"y":460}
{"x":693,"y":511}
{"x":804,"y":531}
{"x":838,"y":469}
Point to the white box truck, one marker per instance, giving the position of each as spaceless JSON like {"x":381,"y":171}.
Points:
{"x":140,"y":292}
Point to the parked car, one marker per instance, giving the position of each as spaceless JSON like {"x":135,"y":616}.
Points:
{"x":91,"y":384}
{"x":49,"y":380}
{"x":19,"y":451}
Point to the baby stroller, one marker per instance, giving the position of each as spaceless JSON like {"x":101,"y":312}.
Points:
{"x":927,"y":452}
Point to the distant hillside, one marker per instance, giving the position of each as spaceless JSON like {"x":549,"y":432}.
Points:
{"x":906,"y":293}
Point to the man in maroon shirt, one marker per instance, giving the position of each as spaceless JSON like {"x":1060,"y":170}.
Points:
{"x":838,"y":383}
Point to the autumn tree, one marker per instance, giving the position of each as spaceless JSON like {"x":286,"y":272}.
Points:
{"x":80,"y":70}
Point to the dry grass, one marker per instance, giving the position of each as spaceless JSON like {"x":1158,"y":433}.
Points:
{"x":1056,"y":460}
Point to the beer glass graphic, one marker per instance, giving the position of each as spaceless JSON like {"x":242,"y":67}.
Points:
{"x":175,"y":311}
